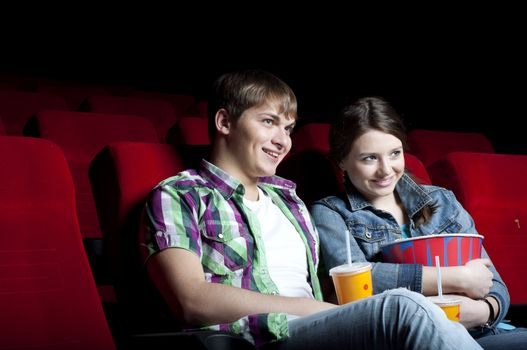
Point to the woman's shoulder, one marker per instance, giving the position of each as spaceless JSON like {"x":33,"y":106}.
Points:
{"x":439,"y":193}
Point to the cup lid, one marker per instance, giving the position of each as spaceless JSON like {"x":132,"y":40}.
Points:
{"x":353,"y":268}
{"x":445,"y":300}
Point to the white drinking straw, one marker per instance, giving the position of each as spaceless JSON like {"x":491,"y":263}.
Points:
{"x":439,"y":288}
{"x":348,"y":247}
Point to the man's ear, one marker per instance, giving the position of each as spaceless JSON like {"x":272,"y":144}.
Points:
{"x":223,"y":122}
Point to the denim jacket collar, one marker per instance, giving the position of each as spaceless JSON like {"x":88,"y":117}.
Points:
{"x":413,"y":196}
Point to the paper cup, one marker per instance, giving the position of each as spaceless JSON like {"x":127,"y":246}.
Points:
{"x":450,"y":304}
{"x":352,"y":282}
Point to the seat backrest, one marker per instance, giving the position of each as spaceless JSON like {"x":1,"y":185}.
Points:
{"x":417,"y":169}
{"x":493,"y":190}
{"x":16,"y":107}
{"x":314,"y":174}
{"x":122,"y":176}
{"x":160,"y":113}
{"x":73,"y":94}
{"x":48,"y":295}
{"x":81,"y":135}
{"x":189,"y":131}
{"x":202,"y":107}
{"x":191,"y":137}
{"x":2,"y":127}
{"x":312,"y":136}
{"x":183,"y":104}
{"x":431,"y":145}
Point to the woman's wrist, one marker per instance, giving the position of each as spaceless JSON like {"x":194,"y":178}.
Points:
{"x":493,"y":310}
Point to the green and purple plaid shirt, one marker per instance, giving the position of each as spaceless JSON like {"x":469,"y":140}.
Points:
{"x":203,"y":212}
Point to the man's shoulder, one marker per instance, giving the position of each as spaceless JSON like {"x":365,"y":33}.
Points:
{"x":184,"y":181}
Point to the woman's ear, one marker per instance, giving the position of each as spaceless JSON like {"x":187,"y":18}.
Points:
{"x":222,"y":121}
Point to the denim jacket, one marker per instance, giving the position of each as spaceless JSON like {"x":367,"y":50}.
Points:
{"x":370,"y":228}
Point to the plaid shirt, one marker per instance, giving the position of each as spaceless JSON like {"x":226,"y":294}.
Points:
{"x":203,"y":212}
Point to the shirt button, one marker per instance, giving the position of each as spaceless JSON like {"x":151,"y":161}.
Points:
{"x":368,"y":234}
{"x":159,"y":234}
{"x":220,"y":236}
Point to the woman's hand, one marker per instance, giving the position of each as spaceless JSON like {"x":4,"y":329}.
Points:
{"x":476,"y":278}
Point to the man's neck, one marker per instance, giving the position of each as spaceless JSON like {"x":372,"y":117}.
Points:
{"x":228,"y":165}
{"x":251,"y":193}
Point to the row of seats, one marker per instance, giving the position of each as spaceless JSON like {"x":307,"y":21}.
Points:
{"x":132,"y":168}
{"x":82,"y":134}
{"x":163,"y":109}
{"x":47,"y":287}
{"x":71,"y":130}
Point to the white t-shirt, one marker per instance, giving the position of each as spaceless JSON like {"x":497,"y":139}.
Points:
{"x":285,"y":250}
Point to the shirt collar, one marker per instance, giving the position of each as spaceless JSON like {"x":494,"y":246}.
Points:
{"x":227,"y":185}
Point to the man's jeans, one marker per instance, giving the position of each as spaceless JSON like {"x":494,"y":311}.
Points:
{"x":395,"y":319}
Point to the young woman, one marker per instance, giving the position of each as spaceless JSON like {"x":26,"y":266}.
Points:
{"x":383,"y":203}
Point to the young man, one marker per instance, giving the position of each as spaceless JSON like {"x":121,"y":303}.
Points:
{"x":231,"y":247}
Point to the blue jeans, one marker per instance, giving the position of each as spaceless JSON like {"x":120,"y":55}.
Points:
{"x":395,"y":319}
{"x":495,"y":338}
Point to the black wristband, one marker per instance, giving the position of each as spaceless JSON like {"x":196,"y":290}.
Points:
{"x":491,"y":312}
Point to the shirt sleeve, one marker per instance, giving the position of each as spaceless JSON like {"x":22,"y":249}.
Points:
{"x":170,"y":221}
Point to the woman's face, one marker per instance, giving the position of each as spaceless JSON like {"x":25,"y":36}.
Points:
{"x":375,"y":164}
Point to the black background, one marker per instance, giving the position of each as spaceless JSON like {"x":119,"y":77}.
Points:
{"x":446,"y":69}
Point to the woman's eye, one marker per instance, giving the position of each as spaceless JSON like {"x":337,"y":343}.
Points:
{"x":368,"y":158}
{"x":268,"y":121}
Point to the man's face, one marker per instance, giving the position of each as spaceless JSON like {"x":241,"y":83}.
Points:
{"x":259,"y":140}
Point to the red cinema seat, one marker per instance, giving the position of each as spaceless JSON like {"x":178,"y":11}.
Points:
{"x":312,"y":136}
{"x":315,"y":175}
{"x":191,"y":136}
{"x":203,"y":108}
{"x":2,"y":128}
{"x":82,"y":135}
{"x":183,"y":104}
{"x":73,"y":94}
{"x":48,"y":298}
{"x":16,"y":107}
{"x":122,"y":176}
{"x":493,"y":190}
{"x":417,"y":169}
{"x":431,"y":145}
{"x":160,"y":113}
{"x":190,"y":131}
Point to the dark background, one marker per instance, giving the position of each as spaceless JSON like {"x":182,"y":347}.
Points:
{"x":446,"y":69}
